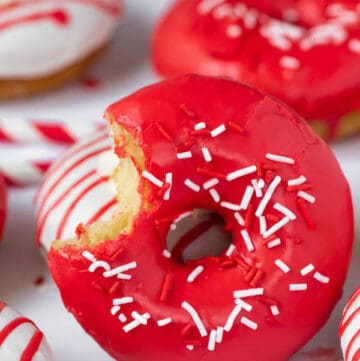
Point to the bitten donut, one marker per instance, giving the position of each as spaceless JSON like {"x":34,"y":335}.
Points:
{"x":20,"y":339}
{"x":349,"y":332}
{"x":306,"y":53}
{"x":203,"y":143}
{"x":44,"y":43}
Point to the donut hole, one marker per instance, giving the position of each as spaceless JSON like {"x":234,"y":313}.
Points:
{"x":197,"y":234}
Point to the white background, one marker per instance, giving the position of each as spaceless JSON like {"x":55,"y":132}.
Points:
{"x":124,"y":69}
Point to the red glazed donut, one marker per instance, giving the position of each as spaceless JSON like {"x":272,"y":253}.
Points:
{"x":311,"y":63}
{"x":196,"y":142}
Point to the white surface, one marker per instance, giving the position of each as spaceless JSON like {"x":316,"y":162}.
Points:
{"x":124,"y":69}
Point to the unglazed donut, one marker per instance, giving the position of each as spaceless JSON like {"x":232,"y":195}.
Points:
{"x":195,"y":142}
{"x":349,"y":332}
{"x":44,"y":43}
{"x":305,"y":52}
{"x":20,"y":339}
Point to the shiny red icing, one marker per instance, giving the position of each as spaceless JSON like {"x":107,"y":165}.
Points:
{"x":250,"y":41}
{"x":163,"y":118}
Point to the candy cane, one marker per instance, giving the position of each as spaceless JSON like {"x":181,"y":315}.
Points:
{"x":42,"y":131}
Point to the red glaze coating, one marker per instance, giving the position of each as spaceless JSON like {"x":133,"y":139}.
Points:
{"x":2,"y":205}
{"x":162,"y":117}
{"x":323,"y":83}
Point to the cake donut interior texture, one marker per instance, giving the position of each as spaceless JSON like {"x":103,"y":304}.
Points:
{"x":193,"y":152}
{"x":45,"y":43}
{"x":304,"y":52}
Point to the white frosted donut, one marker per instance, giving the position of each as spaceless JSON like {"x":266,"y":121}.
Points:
{"x":350,"y":329}
{"x":40,"y":37}
{"x":20,"y":339}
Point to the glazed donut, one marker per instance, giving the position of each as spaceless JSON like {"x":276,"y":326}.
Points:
{"x":204,"y":143}
{"x":44,"y":43}
{"x":20,"y":339}
{"x":305,"y":52}
{"x":349,"y":332}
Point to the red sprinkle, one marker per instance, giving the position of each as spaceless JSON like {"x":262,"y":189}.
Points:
{"x":187,"y":111}
{"x":242,"y":263}
{"x":169,"y":278}
{"x":164,"y":132}
{"x":259,"y":168}
{"x":236,"y":127}
{"x":255,"y":281}
{"x":39,"y":281}
{"x":272,"y":218}
{"x":117,"y":253}
{"x":164,"y":188}
{"x":250,"y":275}
{"x":300,"y":187}
{"x":211,"y":173}
{"x":228,"y":264}
{"x":268,"y":176}
{"x":91,"y":83}
{"x":95,"y":285}
{"x":187,"y":330}
{"x":249,"y":216}
{"x":305,"y":213}
{"x":114,"y":288}
{"x":200,"y":132}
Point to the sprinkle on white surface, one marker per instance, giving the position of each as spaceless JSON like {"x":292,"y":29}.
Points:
{"x":212,"y":340}
{"x":196,"y":318}
{"x":184,"y":155}
{"x":191,"y":185}
{"x":234,"y":31}
{"x":166,"y":253}
{"x":119,"y":271}
{"x":275,"y":310}
{"x":251,"y":292}
{"x":241,"y":173}
{"x":168,"y":180}
{"x":239,"y":218}
{"x":289,"y":62}
{"x":285,"y":211}
{"x":200,"y":126}
{"x":247,"y":240}
{"x":354,"y":46}
{"x":211,"y":183}
{"x":308,"y":197}
{"x":263,"y":225}
{"x":321,"y":278}
{"x":282,"y":266}
{"x":89,"y":256}
{"x":307,"y":269}
{"x":231,"y":249}
{"x":274,"y":243}
{"x":151,"y":178}
{"x":248,"y":323}
{"x":232,"y":317}
{"x":297,"y":181}
{"x":195,"y":274}
{"x":280,"y":158}
{"x":215,"y":195}
{"x":99,"y":264}
{"x":123,"y":301}
{"x":276,"y":227}
{"x":298,"y":287}
{"x":231,"y":206}
{"x":247,"y":198}
{"x":269,"y":193}
{"x":206,"y":154}
{"x":164,"y":322}
{"x":218,"y":130}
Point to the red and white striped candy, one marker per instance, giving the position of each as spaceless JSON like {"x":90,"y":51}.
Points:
{"x":350,"y":329}
{"x":74,"y":192}
{"x":20,"y":339}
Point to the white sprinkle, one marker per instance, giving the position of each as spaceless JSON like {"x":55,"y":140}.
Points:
{"x":275,"y":310}
{"x":280,"y":158}
{"x":230,"y":250}
{"x":151,"y":178}
{"x":139,"y":320}
{"x":297,"y":181}
{"x":247,"y":198}
{"x":307,"y":269}
{"x":244,"y":305}
{"x":269,"y":193}
{"x":164,"y":322}
{"x":263,"y":225}
{"x":222,"y":11}
{"x":308,"y":197}
{"x":219,"y":334}
{"x":289,"y":62}
{"x":195,"y":273}
{"x":122,"y":301}
{"x":232,"y":317}
{"x":241,"y":173}
{"x":240,"y":10}
{"x":190,"y":184}
{"x":166,"y":253}
{"x":258,"y":186}
{"x":206,"y":154}
{"x":321,"y":278}
{"x":196,"y":318}
{"x":250,"y":19}
{"x":190,"y":347}
{"x":251,"y":292}
{"x":184,"y":155}
{"x":119,"y":271}
{"x":89,"y":256}
{"x":290,"y":15}
{"x":276,"y":227}
{"x":354,"y":46}
{"x":248,"y":242}
{"x":248,"y":323}
{"x":298,"y":287}
{"x":285,"y":211}
{"x":200,"y":126}
{"x":282,"y":265}
{"x":212,"y":340}
{"x":211,"y":183}
{"x":115,"y":310}
{"x":239,"y":218}
{"x":122,"y":318}
{"x":206,"y":6}
{"x":215,"y":195}
{"x":276,"y":242}
{"x":217,"y":131}
{"x":234,"y":31}
{"x":168,"y":180}
{"x":99,"y":264}
{"x":231,"y":206}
